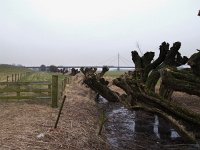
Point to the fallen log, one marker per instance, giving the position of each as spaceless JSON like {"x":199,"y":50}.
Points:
{"x":194,"y":62}
{"x":180,"y":82}
{"x":99,"y":84}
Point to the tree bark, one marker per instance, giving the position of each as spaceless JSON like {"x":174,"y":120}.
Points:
{"x":194,"y":62}
{"x":99,"y":84}
{"x":164,"y":48}
{"x":74,"y":72}
{"x":180,"y":83}
{"x":172,"y":59}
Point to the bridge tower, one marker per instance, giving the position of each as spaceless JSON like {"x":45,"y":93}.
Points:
{"x":118,"y":62}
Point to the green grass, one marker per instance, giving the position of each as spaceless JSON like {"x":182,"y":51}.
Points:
{"x":12,"y":69}
{"x":43,"y":76}
{"x":37,"y":76}
{"x":8,"y":70}
{"x":114,"y":74}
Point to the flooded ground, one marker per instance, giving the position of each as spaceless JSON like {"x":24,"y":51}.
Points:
{"x":126,"y":129}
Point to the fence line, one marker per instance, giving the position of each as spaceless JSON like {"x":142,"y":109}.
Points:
{"x":26,"y":87}
{"x":67,"y":80}
{"x":15,"y":77}
{"x":22,"y":90}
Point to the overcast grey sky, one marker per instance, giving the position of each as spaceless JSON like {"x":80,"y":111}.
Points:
{"x":92,"y":32}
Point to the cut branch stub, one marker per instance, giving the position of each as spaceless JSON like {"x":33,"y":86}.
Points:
{"x":87,"y":71}
{"x":172,"y":59}
{"x":164,"y":48}
{"x":101,"y":88}
{"x":104,"y":70}
{"x":74,"y":72}
{"x":180,"y":60}
{"x":98,"y":84}
{"x":147,"y":58}
{"x":194,"y":62}
{"x":141,"y":62}
{"x":136,"y":59}
{"x":177,"y":84}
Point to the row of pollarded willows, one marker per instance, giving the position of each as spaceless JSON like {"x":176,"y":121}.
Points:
{"x":140,"y":84}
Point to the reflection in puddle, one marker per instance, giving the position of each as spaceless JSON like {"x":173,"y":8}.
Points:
{"x":126,"y":129}
{"x":173,"y":133}
{"x":155,"y":127}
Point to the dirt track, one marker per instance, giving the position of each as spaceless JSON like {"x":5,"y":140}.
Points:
{"x":29,"y":124}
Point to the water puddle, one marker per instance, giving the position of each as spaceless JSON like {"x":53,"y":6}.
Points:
{"x":126,"y":129}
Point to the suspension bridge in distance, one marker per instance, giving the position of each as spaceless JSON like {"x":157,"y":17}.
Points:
{"x":115,"y":67}
{"x":119,"y":59}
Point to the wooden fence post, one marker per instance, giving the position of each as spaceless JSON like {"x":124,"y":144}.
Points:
{"x":15,"y":77}
{"x":7,"y":78}
{"x":49,"y":88}
{"x":65,"y":82}
{"x":54,"y":91}
{"x":12,"y":77}
{"x":67,"y":79}
{"x":62,"y":87}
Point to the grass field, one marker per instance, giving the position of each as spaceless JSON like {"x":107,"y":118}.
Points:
{"x":8,"y":70}
{"x":12,"y":69}
{"x":114,"y":74}
{"x":44,"y":76}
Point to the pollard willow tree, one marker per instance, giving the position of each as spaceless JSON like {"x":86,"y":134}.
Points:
{"x":140,"y":86}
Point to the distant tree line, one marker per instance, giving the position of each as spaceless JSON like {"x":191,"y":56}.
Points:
{"x":53,"y":68}
{"x":43,"y":68}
